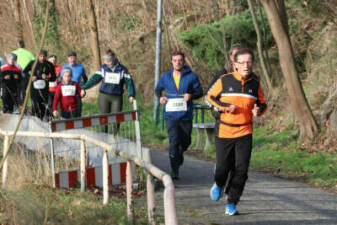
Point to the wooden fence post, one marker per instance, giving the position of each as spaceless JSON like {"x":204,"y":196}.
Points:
{"x":83,"y":166}
{"x":5,"y":166}
{"x":149,"y":191}
{"x":129,"y":198}
{"x":169,"y":202}
{"x":105,"y":168}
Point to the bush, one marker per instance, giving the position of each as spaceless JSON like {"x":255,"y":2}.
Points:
{"x":210,"y":42}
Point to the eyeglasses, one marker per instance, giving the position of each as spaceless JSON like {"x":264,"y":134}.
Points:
{"x":249,"y":63}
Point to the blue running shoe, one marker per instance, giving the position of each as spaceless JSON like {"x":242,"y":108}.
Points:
{"x":231,"y":210}
{"x":216,"y":192}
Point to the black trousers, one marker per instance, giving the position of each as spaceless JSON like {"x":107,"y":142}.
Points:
{"x":69,"y":115}
{"x":51,"y":96}
{"x":8,"y":100}
{"x":39,"y":102}
{"x":179,"y":133}
{"x":233,"y":156}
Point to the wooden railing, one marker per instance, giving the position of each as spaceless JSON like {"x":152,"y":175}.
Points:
{"x":169,"y":192}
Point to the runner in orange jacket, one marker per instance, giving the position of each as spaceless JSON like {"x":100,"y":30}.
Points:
{"x":238,"y":97}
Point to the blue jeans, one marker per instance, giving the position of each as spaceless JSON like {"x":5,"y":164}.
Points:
{"x":179,"y":134}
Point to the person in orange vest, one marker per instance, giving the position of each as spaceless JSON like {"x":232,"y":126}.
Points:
{"x":238,"y":97}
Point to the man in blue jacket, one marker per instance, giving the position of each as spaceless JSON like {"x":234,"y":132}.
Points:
{"x":181,"y":86}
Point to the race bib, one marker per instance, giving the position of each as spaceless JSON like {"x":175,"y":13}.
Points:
{"x":52,"y":84}
{"x":68,"y":90}
{"x":39,"y":84}
{"x":176,"y":104}
{"x":112,"y":78}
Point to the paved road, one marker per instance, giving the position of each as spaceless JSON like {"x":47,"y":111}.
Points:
{"x":266,"y":201}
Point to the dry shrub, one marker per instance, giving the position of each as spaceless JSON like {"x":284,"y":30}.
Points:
{"x":26,"y":168}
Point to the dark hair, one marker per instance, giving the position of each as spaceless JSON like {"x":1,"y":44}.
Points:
{"x":73,"y":53}
{"x":178,"y":53}
{"x":52,"y":56}
{"x":243,"y":51}
{"x":21,"y":44}
{"x":43,"y":52}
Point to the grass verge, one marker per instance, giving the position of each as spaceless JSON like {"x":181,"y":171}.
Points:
{"x":280,"y":154}
{"x":41,"y":205}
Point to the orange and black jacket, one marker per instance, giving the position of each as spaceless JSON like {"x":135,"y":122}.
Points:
{"x":231,"y":89}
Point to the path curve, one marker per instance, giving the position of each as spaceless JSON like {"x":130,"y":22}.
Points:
{"x":266,"y":200}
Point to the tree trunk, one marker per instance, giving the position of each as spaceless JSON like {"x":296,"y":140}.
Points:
{"x":264,"y":40}
{"x":283,"y":14}
{"x":17,"y":15}
{"x":94,"y":42}
{"x":259,"y":47}
{"x":29,"y":22}
{"x":308,"y":126}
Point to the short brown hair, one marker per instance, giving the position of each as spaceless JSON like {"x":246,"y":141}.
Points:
{"x":243,"y":51}
{"x":178,"y":53}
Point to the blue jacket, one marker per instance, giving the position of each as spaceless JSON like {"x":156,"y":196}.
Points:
{"x":111,"y":88}
{"x":189,"y":83}
{"x":78,"y":72}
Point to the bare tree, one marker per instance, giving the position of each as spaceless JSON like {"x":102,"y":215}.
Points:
{"x":94,"y":42}
{"x":17,"y":15}
{"x":307,"y":123}
{"x":259,"y":47}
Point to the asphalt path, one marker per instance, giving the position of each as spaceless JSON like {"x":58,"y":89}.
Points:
{"x":266,"y":200}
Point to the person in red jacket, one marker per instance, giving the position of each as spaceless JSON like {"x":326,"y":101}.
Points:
{"x":10,"y":77}
{"x":65,"y":94}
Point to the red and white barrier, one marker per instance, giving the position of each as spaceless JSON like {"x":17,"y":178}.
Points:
{"x":94,"y":176}
{"x":77,"y":123}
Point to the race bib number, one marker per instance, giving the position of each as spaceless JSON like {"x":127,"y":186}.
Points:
{"x":112,"y":78}
{"x":176,"y":104}
{"x":52,"y":84}
{"x":39,"y":84}
{"x":68,"y":90}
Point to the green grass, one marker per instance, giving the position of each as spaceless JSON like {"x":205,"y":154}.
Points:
{"x":35,"y":204}
{"x":280,"y":154}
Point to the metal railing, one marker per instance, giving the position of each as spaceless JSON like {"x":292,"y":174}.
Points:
{"x":170,"y":214}
{"x":196,"y":108}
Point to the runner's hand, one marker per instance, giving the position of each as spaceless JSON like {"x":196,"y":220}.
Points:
{"x":163,"y":100}
{"x":187,"y":97}
{"x":44,"y":76}
{"x":55,"y":114}
{"x":83,"y":93}
{"x":256,"y":110}
{"x":232,"y":108}
{"x":7,"y":77}
{"x":131,"y":99}
{"x":34,"y":78}
{"x":16,"y":76}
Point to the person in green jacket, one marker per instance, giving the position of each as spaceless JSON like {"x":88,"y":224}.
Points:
{"x":113,"y":76}
{"x":24,"y":57}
